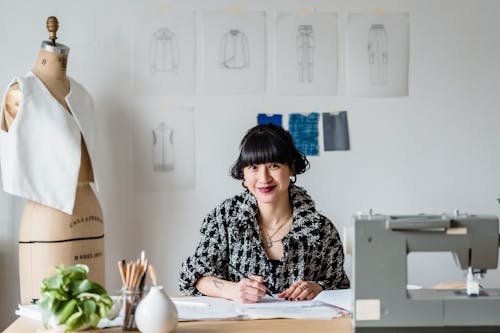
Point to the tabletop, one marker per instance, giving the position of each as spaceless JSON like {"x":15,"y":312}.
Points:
{"x":337,"y":325}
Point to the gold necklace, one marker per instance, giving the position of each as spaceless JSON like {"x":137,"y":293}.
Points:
{"x":268,"y":241}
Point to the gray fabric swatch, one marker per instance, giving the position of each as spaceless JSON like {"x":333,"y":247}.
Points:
{"x":335,"y":131}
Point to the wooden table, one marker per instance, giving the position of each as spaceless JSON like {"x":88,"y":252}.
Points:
{"x":337,"y":325}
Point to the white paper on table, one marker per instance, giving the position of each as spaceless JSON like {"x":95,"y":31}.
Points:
{"x":205,"y":308}
{"x":276,"y":303}
{"x":341,"y":298}
{"x":33,"y":311}
{"x":210,"y":308}
{"x":323,"y":312}
{"x":279,"y":308}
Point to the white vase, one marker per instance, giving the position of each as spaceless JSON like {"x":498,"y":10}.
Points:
{"x":156,"y":313}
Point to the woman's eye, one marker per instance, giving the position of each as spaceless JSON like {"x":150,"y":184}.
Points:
{"x":274,"y":165}
{"x":252,"y":167}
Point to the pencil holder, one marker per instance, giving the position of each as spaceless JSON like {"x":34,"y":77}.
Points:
{"x":130,"y":301}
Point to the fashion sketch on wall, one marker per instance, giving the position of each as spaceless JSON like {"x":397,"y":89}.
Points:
{"x":163,"y":141}
{"x":163,"y":148}
{"x":378,"y":51}
{"x":306,"y":53}
{"x":377,"y":54}
{"x":164,"y":51}
{"x":234,"y":52}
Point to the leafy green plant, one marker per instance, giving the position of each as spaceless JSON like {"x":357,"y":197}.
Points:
{"x":70,"y":299}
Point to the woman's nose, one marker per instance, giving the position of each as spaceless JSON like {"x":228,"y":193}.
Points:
{"x":264,"y":175}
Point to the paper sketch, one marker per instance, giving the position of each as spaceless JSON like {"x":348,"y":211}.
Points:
{"x":377,"y":54}
{"x":378,"y":51}
{"x":163,"y":148}
{"x":235,"y":57}
{"x":164,"y":52}
{"x":210,"y":308}
{"x":306,"y":53}
{"x":234,"y":52}
{"x":163,"y":141}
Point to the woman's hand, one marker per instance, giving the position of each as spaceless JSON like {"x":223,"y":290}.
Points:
{"x":301,"y":291}
{"x":249,"y":290}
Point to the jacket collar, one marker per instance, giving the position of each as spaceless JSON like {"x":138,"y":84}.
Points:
{"x":305,"y":214}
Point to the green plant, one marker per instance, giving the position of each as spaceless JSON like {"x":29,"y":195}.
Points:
{"x":70,"y":299}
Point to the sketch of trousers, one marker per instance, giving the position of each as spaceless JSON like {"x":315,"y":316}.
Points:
{"x":163,"y":148}
{"x":163,"y":52}
{"x":234,"y":52}
{"x":377,"y":54}
{"x":305,"y":52}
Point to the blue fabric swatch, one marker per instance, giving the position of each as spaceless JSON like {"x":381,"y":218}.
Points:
{"x":263,"y":118}
{"x":304,"y":130}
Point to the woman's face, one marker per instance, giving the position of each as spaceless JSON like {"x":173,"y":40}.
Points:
{"x":268,"y":182}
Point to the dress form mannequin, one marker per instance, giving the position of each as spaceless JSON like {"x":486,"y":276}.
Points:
{"x":48,"y":236}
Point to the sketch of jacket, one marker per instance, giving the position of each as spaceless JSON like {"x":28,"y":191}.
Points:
{"x":305,"y":52}
{"x":163,"y":148}
{"x":234,"y":52}
{"x":163,"y":52}
{"x":377,"y":54}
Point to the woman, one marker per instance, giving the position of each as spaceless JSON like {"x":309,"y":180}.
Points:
{"x":270,"y":238}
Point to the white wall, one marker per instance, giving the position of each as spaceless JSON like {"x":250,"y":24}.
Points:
{"x":434,"y":151}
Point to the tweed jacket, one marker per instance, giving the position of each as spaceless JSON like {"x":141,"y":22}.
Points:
{"x":230,"y":233}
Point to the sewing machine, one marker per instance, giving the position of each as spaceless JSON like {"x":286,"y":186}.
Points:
{"x":382,"y":302}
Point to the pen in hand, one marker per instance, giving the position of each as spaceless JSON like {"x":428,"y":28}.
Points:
{"x":243,"y":275}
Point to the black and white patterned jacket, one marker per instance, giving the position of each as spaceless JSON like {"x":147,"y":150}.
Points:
{"x":312,"y":249}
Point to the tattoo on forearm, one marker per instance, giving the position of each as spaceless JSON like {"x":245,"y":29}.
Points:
{"x":218,"y":283}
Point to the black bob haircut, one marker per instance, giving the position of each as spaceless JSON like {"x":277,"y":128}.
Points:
{"x":268,"y":143}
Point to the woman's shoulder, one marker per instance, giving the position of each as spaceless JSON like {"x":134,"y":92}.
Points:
{"x":231,"y":213}
{"x":326,"y":223}
{"x":237,"y":204}
{"x":304,"y":208}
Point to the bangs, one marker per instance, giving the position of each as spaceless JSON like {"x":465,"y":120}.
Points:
{"x":263,"y":149}
{"x":268,"y":143}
